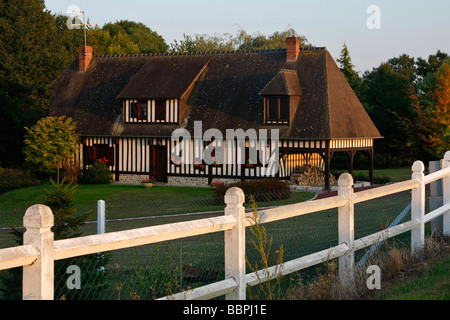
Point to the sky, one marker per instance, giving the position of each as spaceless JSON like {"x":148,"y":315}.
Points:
{"x":373,"y":34}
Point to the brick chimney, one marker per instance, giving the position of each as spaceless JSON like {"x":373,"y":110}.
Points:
{"x":85,"y":56}
{"x":292,"y":49}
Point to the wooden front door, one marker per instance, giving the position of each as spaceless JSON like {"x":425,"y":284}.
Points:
{"x":159,"y":163}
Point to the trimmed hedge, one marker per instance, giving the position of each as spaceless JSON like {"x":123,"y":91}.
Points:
{"x":262,"y":189}
{"x":11,"y":179}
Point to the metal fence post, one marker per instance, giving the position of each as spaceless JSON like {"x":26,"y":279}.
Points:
{"x":100,"y":216}
{"x":346,"y":228}
{"x":418,"y":207}
{"x":235,"y":243}
{"x":446,"y":196}
{"x":38,"y":277}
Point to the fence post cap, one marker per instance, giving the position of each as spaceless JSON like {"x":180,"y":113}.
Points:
{"x":418,"y":167}
{"x":234,"y":195}
{"x":38,"y":216}
{"x":345,"y":180}
{"x":447,"y":156}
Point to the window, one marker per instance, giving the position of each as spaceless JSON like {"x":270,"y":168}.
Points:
{"x":254,"y":160}
{"x":139,"y":109}
{"x":277,"y":109}
{"x":160,"y":110}
{"x":100,"y":152}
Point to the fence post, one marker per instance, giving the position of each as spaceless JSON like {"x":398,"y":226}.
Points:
{"x":346,"y":228}
{"x":435,"y":200}
{"x":100,"y":216}
{"x":235,"y":243}
{"x":38,"y":277}
{"x":446,"y":196}
{"x":418,"y":207}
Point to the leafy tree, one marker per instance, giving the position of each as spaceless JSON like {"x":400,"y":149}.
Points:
{"x":432,"y":64}
{"x":385,"y":93}
{"x":51,"y":142}
{"x":348,"y":69}
{"x":429,"y":130}
{"x":241,"y":41}
{"x":148,"y":41}
{"x":29,"y":62}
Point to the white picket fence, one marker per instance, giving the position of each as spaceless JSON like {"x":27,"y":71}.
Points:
{"x":39,"y":251}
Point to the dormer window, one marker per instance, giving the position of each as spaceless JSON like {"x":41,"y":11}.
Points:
{"x":277,"y":109}
{"x":151,"y":111}
{"x":139,"y":109}
{"x":281,"y":97}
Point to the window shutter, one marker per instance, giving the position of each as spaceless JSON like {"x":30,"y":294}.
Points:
{"x":284,"y":108}
{"x":110,"y":156}
{"x":90,"y":155}
{"x":134,"y":109}
{"x":160,"y":110}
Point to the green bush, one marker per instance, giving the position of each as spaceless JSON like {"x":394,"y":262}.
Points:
{"x":11,"y":179}
{"x":98,"y":173}
{"x":262,"y":189}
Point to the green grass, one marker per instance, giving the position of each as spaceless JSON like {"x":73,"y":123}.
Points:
{"x":125,"y":201}
{"x":395,"y":175}
{"x":90,"y":194}
{"x":431,"y":284}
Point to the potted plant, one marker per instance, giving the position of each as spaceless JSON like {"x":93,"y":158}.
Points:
{"x":148,"y":183}
{"x":248,"y":164}
{"x":199,"y":166}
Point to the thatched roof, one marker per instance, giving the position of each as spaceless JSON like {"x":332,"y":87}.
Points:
{"x":224,"y":90}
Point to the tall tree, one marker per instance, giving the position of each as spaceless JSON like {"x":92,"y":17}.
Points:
{"x":348,"y":69}
{"x":241,"y":41}
{"x":385,"y":93}
{"x":29,"y":62}
{"x":148,"y":41}
{"x":429,"y":130}
{"x":432,"y":64}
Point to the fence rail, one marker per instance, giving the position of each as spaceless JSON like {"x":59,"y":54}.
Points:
{"x":39,"y":251}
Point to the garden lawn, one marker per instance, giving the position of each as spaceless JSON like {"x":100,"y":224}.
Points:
{"x":395,"y":175}
{"x":124,"y":201}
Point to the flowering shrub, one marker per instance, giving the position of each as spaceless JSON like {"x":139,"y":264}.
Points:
{"x":103,"y":160}
{"x":216,"y":183}
{"x":148,"y":180}
{"x":98,"y":173}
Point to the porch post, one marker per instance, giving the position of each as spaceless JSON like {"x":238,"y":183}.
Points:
{"x":327,"y":159}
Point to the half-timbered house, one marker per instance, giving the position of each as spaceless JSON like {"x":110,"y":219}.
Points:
{"x":127,"y":107}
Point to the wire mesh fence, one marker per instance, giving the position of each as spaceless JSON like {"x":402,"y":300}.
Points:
{"x":157,"y":270}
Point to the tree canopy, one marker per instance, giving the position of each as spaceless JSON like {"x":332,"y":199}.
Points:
{"x":51,"y":142}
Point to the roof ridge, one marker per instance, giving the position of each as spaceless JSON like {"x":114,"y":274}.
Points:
{"x":202,"y":53}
